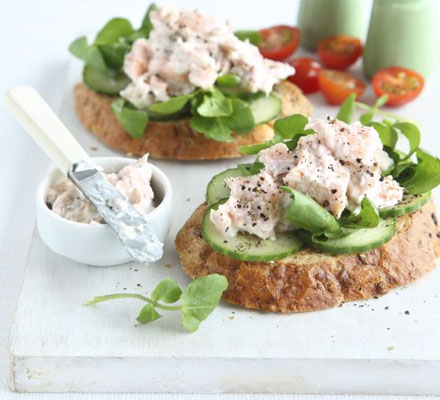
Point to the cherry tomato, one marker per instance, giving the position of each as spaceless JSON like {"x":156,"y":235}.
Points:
{"x":339,"y":52}
{"x":279,"y":42}
{"x":337,"y":85}
{"x":401,"y":85}
{"x":306,"y":74}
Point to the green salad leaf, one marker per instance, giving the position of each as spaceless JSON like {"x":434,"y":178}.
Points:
{"x":171,"y":106}
{"x":215,"y":104}
{"x":147,"y":26}
{"x":412,"y":133}
{"x":89,"y":54}
{"x":148,"y":314}
{"x":254,"y":37}
{"x":167,"y":290}
{"x":113,"y":30}
{"x":79,"y":48}
{"x":347,"y":109}
{"x":306,"y":213}
{"x":96,"y":60}
{"x":367,"y":217}
{"x":211,"y":128}
{"x":387,"y":134}
{"x":251,"y":168}
{"x":287,"y":130}
{"x":216,"y":116}
{"x":241,"y":119}
{"x":421,"y":177}
{"x":198,"y":300}
{"x":285,"y":127}
{"x":134,"y":121}
{"x":114,"y":54}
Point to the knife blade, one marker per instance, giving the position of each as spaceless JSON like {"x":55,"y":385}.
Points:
{"x":129,"y":226}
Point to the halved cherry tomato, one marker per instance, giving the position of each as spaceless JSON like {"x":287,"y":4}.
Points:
{"x":306,"y":74}
{"x":401,"y":85}
{"x":339,"y":52}
{"x":337,"y":85}
{"x":279,"y":42}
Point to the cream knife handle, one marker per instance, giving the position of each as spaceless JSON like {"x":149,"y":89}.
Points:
{"x":37,"y":118}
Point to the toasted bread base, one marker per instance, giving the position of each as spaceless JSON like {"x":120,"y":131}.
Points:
{"x":310,"y":281}
{"x":175,"y":139}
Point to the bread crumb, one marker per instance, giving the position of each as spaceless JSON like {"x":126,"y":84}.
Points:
{"x":168,"y":265}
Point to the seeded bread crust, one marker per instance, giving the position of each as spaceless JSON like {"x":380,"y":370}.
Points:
{"x":175,"y":140}
{"x":310,"y":281}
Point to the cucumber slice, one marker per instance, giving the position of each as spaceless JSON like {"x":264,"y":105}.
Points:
{"x":249,"y":247}
{"x":357,"y":242}
{"x":102,"y":83}
{"x":409,"y":204}
{"x":265,"y":108}
{"x":216,"y":189}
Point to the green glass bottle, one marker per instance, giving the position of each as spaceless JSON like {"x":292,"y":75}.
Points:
{"x":320,"y":19}
{"x":401,"y":33}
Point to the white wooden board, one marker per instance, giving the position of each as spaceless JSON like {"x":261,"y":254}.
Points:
{"x":364,"y":347}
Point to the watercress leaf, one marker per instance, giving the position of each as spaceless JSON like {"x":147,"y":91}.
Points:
{"x":110,"y":82}
{"x":366,"y":118}
{"x":195,"y":102}
{"x":200,"y":298}
{"x":346,"y":111}
{"x":387,"y":135}
{"x":212,"y":128}
{"x":285,"y":128}
{"x":400,"y":166}
{"x":292,"y":143}
{"x":146,"y":25}
{"x":256,"y":148}
{"x":412,"y":134}
{"x":148,"y":314}
{"x":132,"y":120}
{"x":89,"y":54}
{"x":421,"y":177}
{"x":171,"y":106}
{"x":241,"y":120}
{"x":250,"y":169}
{"x":215,"y":104}
{"x":190,"y":323}
{"x":114,"y":54}
{"x":95,"y":60}
{"x":305,"y":213}
{"x":113,"y":30}
{"x":228,"y":81}
{"x":79,"y":48}
{"x":167,"y":290}
{"x":254,"y":37}
{"x":367,"y":217}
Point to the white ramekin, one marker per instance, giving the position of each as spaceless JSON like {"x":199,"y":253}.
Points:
{"x":96,"y":244}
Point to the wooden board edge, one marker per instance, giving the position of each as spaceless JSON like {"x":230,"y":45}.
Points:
{"x":225,"y":375}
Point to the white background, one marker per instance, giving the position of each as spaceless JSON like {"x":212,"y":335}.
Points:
{"x":34,"y":36}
